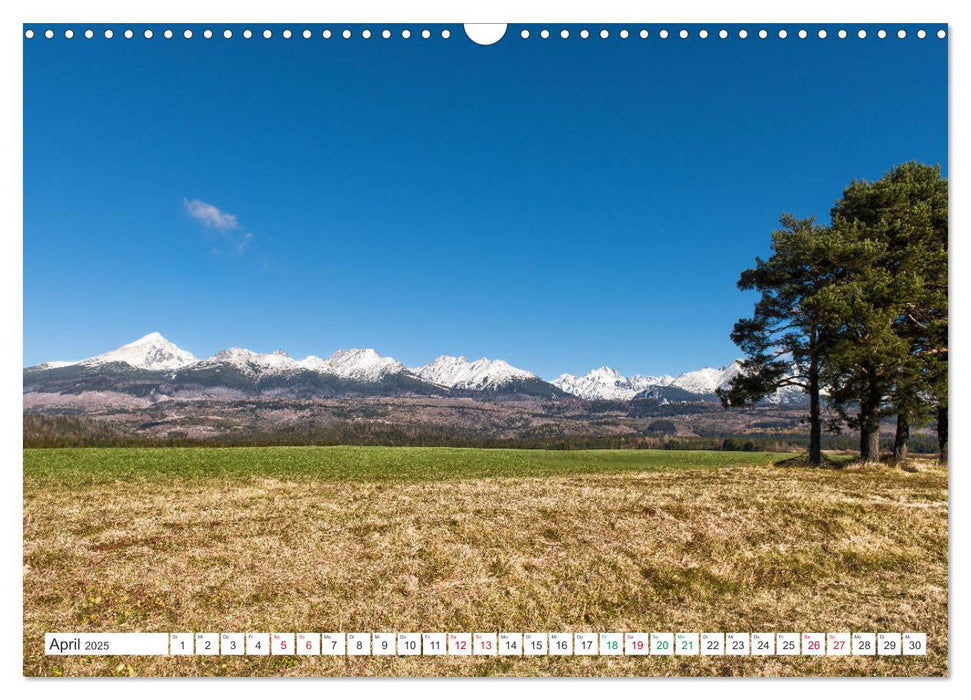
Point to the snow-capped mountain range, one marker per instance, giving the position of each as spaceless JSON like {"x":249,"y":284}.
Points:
{"x":607,"y":383}
{"x":156,"y":355}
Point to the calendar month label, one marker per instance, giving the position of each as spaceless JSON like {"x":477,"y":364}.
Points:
{"x":106,"y":643}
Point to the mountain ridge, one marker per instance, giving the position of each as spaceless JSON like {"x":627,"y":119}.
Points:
{"x":153,"y":358}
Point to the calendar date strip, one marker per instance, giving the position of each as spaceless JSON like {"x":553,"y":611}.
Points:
{"x":484,"y":644}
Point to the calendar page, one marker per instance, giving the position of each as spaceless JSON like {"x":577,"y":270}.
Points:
{"x":527,"y":349}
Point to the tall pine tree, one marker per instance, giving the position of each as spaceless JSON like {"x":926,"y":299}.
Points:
{"x":784,"y":338}
{"x":888,"y":311}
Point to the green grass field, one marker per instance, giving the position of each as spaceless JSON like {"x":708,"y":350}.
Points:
{"x":96,"y":465}
{"x":429,"y":539}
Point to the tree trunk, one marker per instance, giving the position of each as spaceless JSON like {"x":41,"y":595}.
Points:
{"x":942,"y":433}
{"x":870,"y":420}
{"x":815,"y":429}
{"x":901,"y":441}
{"x":870,"y":442}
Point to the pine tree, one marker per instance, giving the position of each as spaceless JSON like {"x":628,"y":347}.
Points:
{"x":784,"y":338}
{"x":887,"y":311}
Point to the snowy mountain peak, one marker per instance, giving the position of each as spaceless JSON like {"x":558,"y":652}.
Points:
{"x":151,"y":352}
{"x":606,"y":383}
{"x":250,"y":362}
{"x":459,"y":373}
{"x":707,"y":379}
{"x":364,"y":364}
{"x":313,"y":363}
{"x":651,"y":380}
{"x":605,"y":374}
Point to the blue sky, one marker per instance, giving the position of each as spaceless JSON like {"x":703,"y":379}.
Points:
{"x":560,"y":204}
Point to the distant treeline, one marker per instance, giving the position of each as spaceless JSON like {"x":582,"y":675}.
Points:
{"x":76,"y":431}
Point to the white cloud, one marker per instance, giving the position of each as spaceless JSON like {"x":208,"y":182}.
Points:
{"x":210,"y":215}
{"x":243,"y":242}
{"x":235,"y":240}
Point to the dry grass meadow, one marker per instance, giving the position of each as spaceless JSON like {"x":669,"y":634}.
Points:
{"x":411,"y":539}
